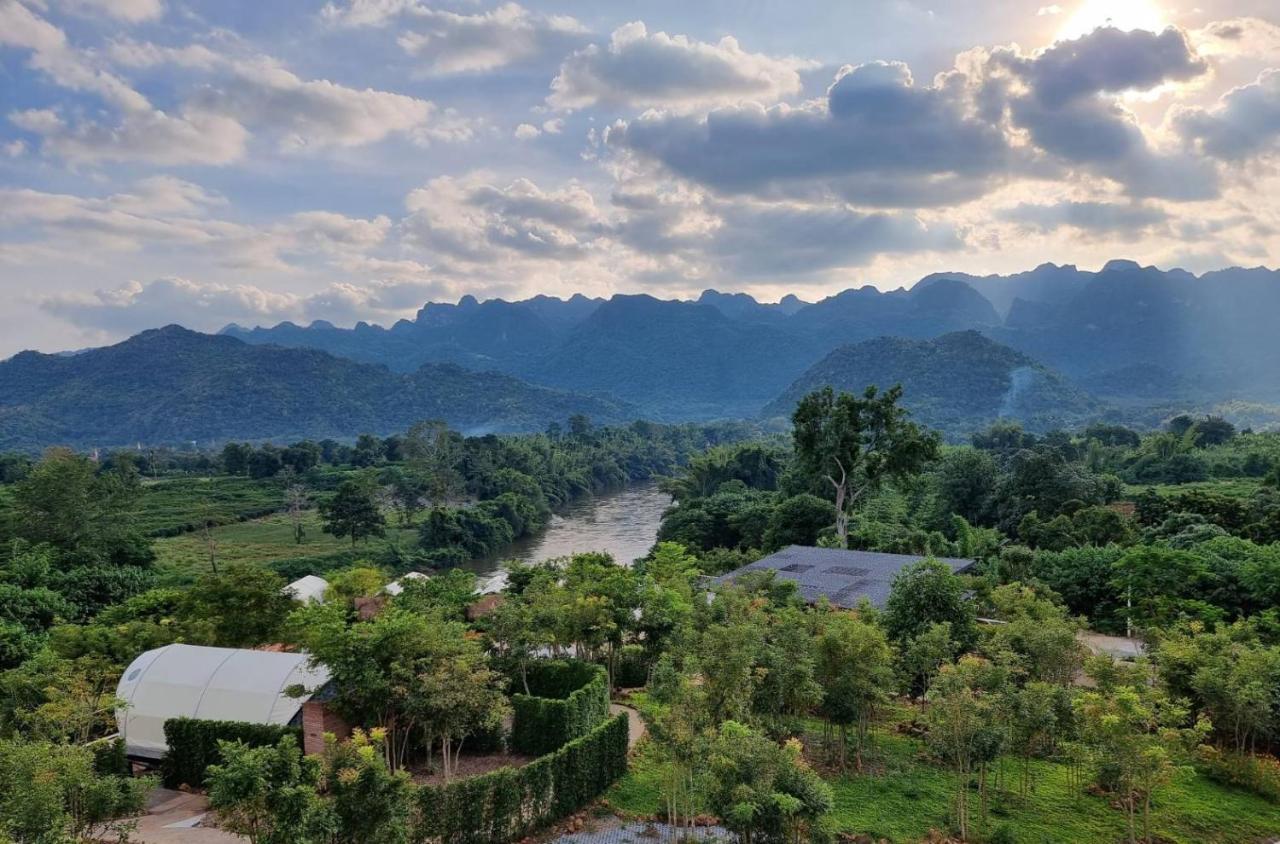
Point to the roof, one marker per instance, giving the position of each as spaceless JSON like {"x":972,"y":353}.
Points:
{"x":218,"y":684}
{"x":395,"y":587}
{"x":308,"y":589}
{"x":843,"y":577}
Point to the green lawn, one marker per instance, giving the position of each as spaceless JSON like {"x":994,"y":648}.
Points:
{"x":908,"y":796}
{"x":263,"y":542}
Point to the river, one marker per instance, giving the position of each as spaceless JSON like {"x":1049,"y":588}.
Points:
{"x":623,"y":523}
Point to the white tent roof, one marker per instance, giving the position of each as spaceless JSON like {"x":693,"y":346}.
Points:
{"x":395,"y":587}
{"x":309,"y":589}
{"x":217,"y":684}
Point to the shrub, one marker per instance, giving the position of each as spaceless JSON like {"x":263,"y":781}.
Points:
{"x":569,"y":699}
{"x":193,"y":745}
{"x":1259,"y":774}
{"x":109,"y":759}
{"x":510,"y":803}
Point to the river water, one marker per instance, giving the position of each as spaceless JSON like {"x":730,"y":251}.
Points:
{"x":623,"y":524}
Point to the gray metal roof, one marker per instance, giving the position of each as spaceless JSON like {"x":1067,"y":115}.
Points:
{"x":844,"y":577}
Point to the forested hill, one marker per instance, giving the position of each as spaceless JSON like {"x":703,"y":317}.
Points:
{"x":1149,"y":340}
{"x":959,"y":383}
{"x":172,"y":385}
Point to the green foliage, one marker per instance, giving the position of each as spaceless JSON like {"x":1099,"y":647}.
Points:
{"x":353,"y":511}
{"x":54,"y":793}
{"x":924,"y":594}
{"x":195,"y":744}
{"x":243,"y":606}
{"x":856,"y":444}
{"x":567,"y":700}
{"x":510,"y":803}
{"x":764,"y":791}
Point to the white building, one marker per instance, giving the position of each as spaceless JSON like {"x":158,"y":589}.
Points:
{"x":216,"y":684}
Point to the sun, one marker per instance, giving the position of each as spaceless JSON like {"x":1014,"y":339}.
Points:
{"x":1122,"y":14}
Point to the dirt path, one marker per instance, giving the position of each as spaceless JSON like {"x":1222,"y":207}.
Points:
{"x":635,"y":726}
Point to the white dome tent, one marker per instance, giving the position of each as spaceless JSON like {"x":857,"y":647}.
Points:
{"x":217,"y":684}
{"x":309,"y":589}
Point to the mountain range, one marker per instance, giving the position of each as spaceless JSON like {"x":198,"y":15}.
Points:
{"x":171,"y":385}
{"x":1129,"y":342}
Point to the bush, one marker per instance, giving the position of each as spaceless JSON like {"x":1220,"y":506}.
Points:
{"x":568,"y":700}
{"x":510,"y":803}
{"x":1259,"y":774}
{"x":109,"y":758}
{"x":193,"y":745}
{"x":632,"y":670}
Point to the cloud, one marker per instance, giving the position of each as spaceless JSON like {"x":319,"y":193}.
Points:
{"x":526,"y":132}
{"x":164,"y":213}
{"x":470,"y":219}
{"x":1107,"y":60}
{"x":152,"y":137}
{"x":1246,"y":38}
{"x":878,"y":139}
{"x":310,"y":113}
{"x":53,"y":55}
{"x":881,"y":140}
{"x":642,"y":69}
{"x":791,"y":240}
{"x":131,"y":11}
{"x":135,"y":306}
{"x":1244,"y":123}
{"x":451,"y":42}
{"x":1096,"y":217}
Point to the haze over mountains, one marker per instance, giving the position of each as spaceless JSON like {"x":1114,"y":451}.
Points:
{"x":1050,"y":347}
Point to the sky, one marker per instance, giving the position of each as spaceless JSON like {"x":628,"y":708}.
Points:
{"x":212,"y":162}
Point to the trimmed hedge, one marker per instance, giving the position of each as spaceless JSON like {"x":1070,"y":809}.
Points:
{"x":568,"y":700}
{"x":110,"y":759}
{"x":510,"y":803}
{"x":193,"y":745}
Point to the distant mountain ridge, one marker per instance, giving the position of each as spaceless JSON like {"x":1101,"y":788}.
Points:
{"x":959,"y":383}
{"x":1124,"y":330}
{"x":1137,"y":343}
{"x":171,"y":385}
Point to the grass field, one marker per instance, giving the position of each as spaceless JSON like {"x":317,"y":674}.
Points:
{"x":907,"y":796}
{"x":177,"y":504}
{"x":263,"y":541}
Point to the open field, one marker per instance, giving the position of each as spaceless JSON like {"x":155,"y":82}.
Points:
{"x":906,"y":796}
{"x":173,"y":505}
{"x":265,"y":541}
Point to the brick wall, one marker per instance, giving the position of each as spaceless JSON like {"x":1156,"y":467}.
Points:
{"x":318,"y":719}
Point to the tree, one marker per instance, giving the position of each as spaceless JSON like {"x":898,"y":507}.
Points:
{"x":244,"y":605}
{"x":353,"y":511}
{"x":855,"y":444}
{"x":967,"y":479}
{"x":964,"y":727}
{"x":855,"y":672}
{"x":235,"y":458}
{"x":377,"y":666}
{"x":763,"y":791}
{"x":1135,"y":731}
{"x":463,"y":697}
{"x":923,"y":594}
{"x":362,"y":580}
{"x":51,"y":793}
{"x":680,"y":731}
{"x":268,"y":794}
{"x":798,"y":520}
{"x":788,"y":688}
{"x":296,"y":501}
{"x":433,"y":453}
